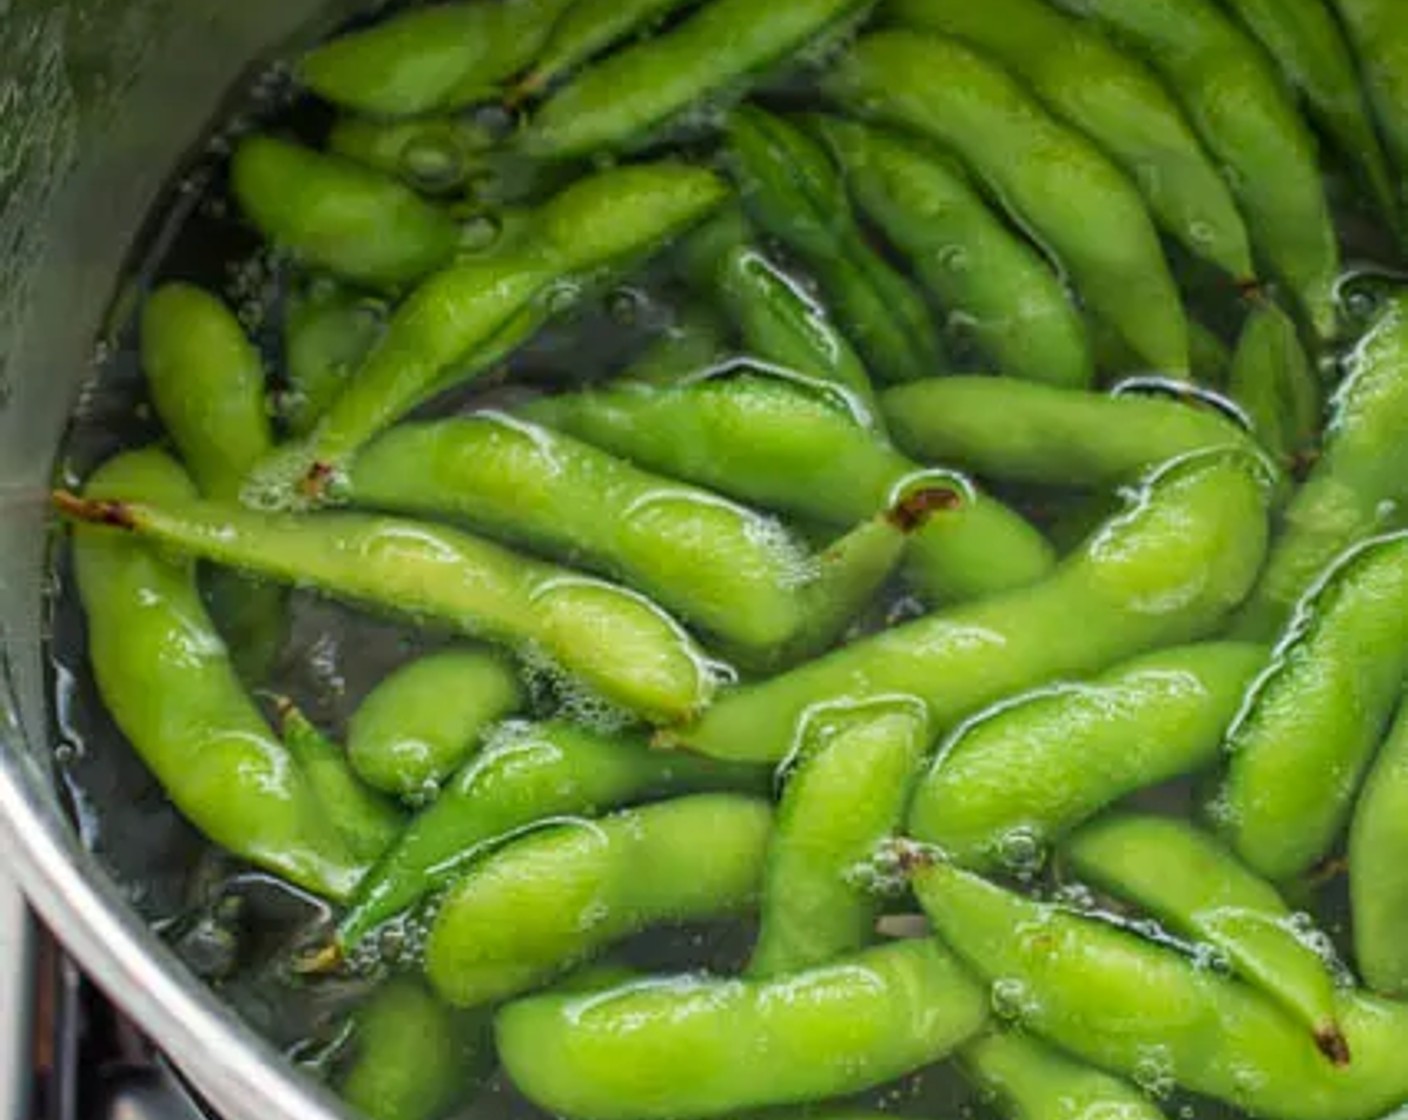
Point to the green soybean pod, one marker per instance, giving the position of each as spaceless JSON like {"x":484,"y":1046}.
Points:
{"x":164,"y":674}
{"x":1298,"y":751}
{"x":367,"y":822}
{"x":1054,"y":181}
{"x":803,"y":447}
{"x":526,"y":773}
{"x":1168,"y":568}
{"x":1024,"y":432}
{"x":985,"y":276}
{"x":1239,"y":106}
{"x":328,"y":332}
{"x":793,"y":191}
{"x":1114,"y":360}
{"x":338,"y":215}
{"x":689,"y":1046}
{"x":1378,"y":880}
{"x":586,"y":29}
{"x":420,"y":723}
{"x":1187,"y":879}
{"x":206,"y":382}
{"x":1376,"y":31}
{"x":845,"y":794}
{"x":1015,"y":779}
{"x":714,"y":54}
{"x":1359,"y":483}
{"x":1031,"y":1081}
{"x":1273,"y":382}
{"x":1313,"y":54}
{"x":437,"y":57}
{"x":1094,"y":86}
{"x":1142,"y":1009}
{"x":547,"y":901}
{"x":434,"y":155}
{"x":414,"y":1055}
{"x":463,"y":318}
{"x":615,"y":641}
{"x":715,"y":563}
{"x":695,"y":342}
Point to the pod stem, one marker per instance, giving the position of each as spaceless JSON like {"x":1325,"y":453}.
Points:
{"x":95,"y":511}
{"x":1332,"y":1043}
{"x":913,"y":510}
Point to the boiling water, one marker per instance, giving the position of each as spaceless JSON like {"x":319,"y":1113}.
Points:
{"x":241,"y":929}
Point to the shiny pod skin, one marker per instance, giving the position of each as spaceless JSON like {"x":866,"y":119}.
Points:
{"x":165,"y":676}
{"x":1140,"y":1008}
{"x":1376,"y":30}
{"x":1378,"y":874}
{"x":1014,"y":780}
{"x":1052,"y":179}
{"x":526,"y":773}
{"x":548,"y":900}
{"x":689,"y":1046}
{"x":1299,"y":750}
{"x":648,"y":664}
{"x":1169,"y":568}
{"x":420,"y":723}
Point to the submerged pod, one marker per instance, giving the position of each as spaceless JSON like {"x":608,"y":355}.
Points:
{"x":845,"y":794}
{"x":545,"y":902}
{"x":328,"y":332}
{"x":1141,"y":1009}
{"x":1169,"y":568}
{"x":527,"y":773}
{"x":1109,"y":95}
{"x":1298,"y":751}
{"x":992,"y":285}
{"x":1040,"y":434}
{"x":420,"y":723}
{"x":1188,"y":880}
{"x":1017,"y":778}
{"x":338,"y":215}
{"x":1378,"y":873}
{"x":586,"y":29}
{"x":1273,"y":382}
{"x":1054,"y":181}
{"x":690,"y":1046}
{"x":1376,"y":30}
{"x":612,"y":639}
{"x":165,"y":677}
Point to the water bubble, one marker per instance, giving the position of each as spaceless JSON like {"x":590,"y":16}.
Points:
{"x":624,"y":305}
{"x":1011,"y":999}
{"x":1021,"y":851}
{"x":1153,"y":1071}
{"x":432,"y":163}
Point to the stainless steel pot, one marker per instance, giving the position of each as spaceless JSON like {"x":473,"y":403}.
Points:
{"x":98,"y":100}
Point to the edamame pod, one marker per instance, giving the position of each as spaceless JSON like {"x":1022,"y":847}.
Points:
{"x":1015,"y":779}
{"x":586,"y":29}
{"x":1142,"y":1010}
{"x":543,"y":903}
{"x":690,"y":1046}
{"x":1357,"y":485}
{"x":1311,"y":50}
{"x":417,"y":726}
{"x":414,"y":1054}
{"x":165,"y":677}
{"x":1088,"y":215}
{"x":994,"y":285}
{"x":694,"y":343}
{"x":207,"y":383}
{"x":367,"y":822}
{"x":525,"y":774}
{"x":713,"y":55}
{"x":1188,"y":880}
{"x":328,"y":332}
{"x":794,"y":192}
{"x":1095,"y":87}
{"x":1376,"y":30}
{"x":1378,"y":876}
{"x":432,"y":154}
{"x":1023,"y":432}
{"x":648,"y":665}
{"x":338,"y":215}
{"x":1298,"y":751}
{"x":1114,"y":360}
{"x":462,"y":319}
{"x":715,"y":563}
{"x":1166,"y":569}
{"x":437,"y":57}
{"x":1237,"y":104}
{"x":1031,"y":1081}
{"x":805,"y":448}
{"x":845,"y":794}
{"x":1273,"y":382}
